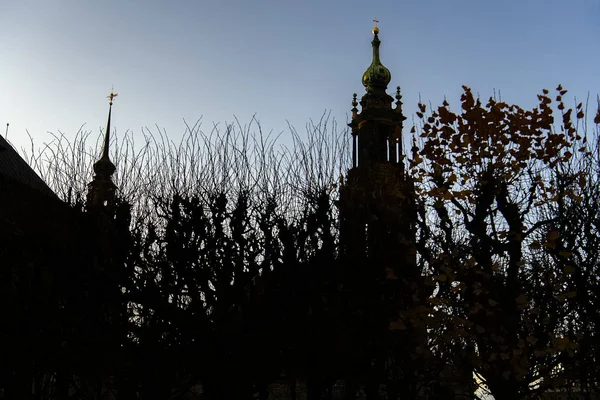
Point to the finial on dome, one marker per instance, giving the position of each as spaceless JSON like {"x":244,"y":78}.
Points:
{"x":377,"y":76}
{"x":375,"y":28}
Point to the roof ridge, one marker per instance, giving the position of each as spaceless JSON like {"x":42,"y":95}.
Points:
{"x":13,"y":166}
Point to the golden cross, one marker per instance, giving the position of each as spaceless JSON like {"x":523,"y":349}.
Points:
{"x":375,"y":21}
{"x":111,"y":96}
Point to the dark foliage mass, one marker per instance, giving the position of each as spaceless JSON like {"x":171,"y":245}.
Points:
{"x":221,"y":267}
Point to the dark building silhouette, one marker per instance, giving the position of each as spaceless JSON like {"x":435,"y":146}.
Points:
{"x":58,"y":281}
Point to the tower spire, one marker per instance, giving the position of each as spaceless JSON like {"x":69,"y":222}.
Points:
{"x":110,"y":98}
{"x":101,"y":191}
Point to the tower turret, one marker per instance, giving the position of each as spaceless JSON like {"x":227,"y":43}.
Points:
{"x":377,"y":129}
{"x":101,"y":190}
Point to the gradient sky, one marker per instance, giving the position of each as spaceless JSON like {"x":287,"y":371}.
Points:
{"x":283,"y":60}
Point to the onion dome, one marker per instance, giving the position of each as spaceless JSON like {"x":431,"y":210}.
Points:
{"x":377,"y":76}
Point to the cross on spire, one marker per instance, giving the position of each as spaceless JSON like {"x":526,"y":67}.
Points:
{"x":111,"y":96}
{"x":375,"y":27}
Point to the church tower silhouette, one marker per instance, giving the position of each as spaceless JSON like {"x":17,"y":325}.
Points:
{"x":377,"y":202}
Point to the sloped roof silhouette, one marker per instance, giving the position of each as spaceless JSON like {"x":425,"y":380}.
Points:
{"x":13,"y":167}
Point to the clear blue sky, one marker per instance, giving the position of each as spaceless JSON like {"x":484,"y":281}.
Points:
{"x":283,"y":60}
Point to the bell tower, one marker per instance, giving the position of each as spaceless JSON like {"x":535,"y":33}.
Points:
{"x":377,"y":205}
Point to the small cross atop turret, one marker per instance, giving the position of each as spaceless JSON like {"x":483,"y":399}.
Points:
{"x":111,"y":96}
